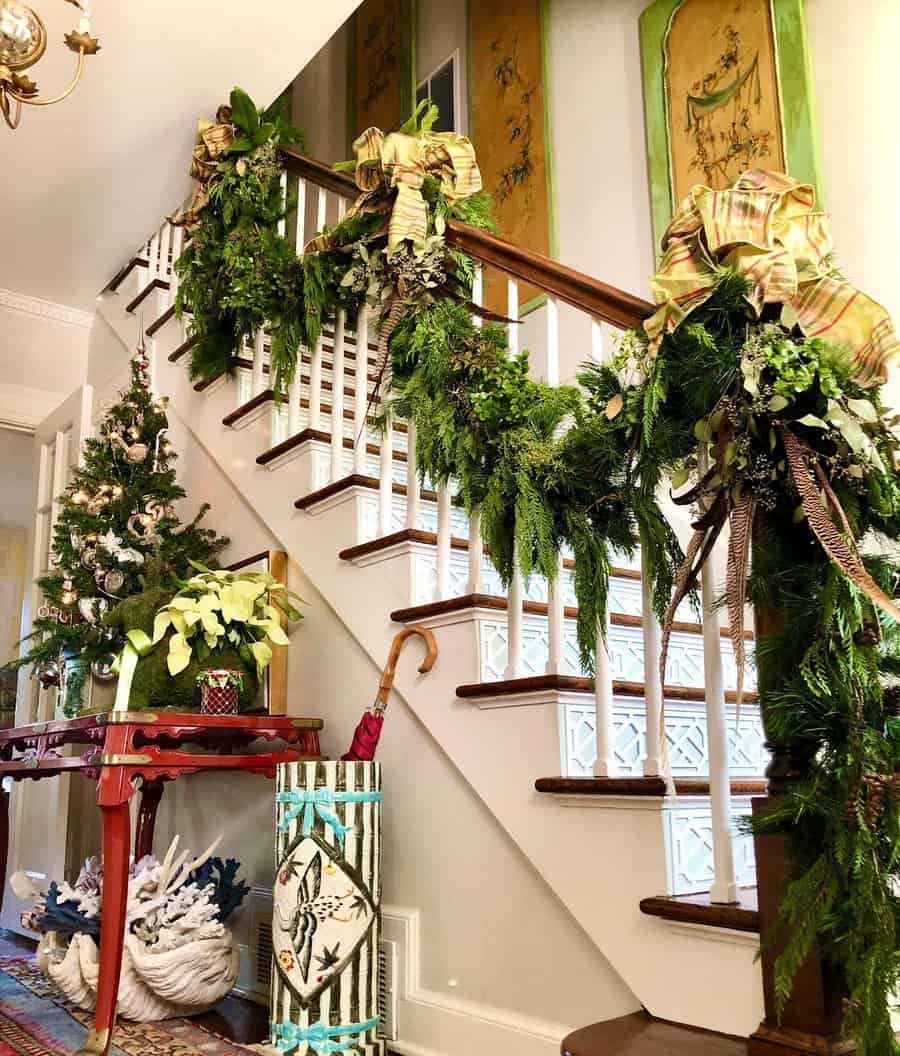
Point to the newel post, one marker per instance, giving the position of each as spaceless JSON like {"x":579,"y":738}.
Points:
{"x":812,"y":1018}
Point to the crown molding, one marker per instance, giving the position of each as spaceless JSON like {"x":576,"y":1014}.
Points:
{"x":59,"y":313}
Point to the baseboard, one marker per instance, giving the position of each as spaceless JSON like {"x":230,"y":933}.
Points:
{"x":434,"y":1023}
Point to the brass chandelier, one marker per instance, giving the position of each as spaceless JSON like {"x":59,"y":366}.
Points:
{"x":23,"y":40}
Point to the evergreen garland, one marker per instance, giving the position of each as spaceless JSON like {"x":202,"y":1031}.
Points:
{"x":583,"y":467}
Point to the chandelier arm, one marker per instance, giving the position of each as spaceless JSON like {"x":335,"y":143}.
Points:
{"x":20,"y":99}
{"x":12,"y":122}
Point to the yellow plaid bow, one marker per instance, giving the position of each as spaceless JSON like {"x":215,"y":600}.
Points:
{"x":399,"y":162}
{"x":212,"y":139}
{"x":766,"y":226}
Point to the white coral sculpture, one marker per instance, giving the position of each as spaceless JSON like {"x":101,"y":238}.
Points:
{"x":179,"y":958}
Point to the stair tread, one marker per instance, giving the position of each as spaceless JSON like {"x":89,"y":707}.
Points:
{"x":581,"y":684}
{"x":641,"y":1035}
{"x":153,"y":284}
{"x":538,"y":608}
{"x":698,"y":909}
{"x":305,"y":435}
{"x":643,"y":786}
{"x":430,"y":539}
{"x":116,"y":281}
{"x":355,"y":480}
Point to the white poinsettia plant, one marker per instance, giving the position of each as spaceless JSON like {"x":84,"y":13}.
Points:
{"x":216,"y":610}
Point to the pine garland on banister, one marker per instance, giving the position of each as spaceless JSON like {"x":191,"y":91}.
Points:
{"x":754,"y":393}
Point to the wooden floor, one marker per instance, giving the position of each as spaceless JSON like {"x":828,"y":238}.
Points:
{"x":640,"y":1035}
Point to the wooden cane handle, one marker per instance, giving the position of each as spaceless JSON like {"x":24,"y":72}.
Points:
{"x":390,"y":668}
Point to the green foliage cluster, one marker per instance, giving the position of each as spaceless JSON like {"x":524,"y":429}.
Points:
{"x":238,"y":273}
{"x":583,"y":467}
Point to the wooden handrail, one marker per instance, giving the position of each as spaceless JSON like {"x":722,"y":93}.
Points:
{"x":597,"y":298}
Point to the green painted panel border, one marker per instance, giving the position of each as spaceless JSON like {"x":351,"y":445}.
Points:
{"x":795,"y":88}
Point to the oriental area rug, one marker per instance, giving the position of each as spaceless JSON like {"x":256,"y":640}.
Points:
{"x":36,"y":1020}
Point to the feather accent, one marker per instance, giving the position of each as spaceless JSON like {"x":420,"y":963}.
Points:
{"x":841,"y":552}
{"x":706,"y":531}
{"x":741,"y":521}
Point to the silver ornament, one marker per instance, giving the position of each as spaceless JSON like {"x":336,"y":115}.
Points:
{"x":92,"y":609}
{"x":99,"y":576}
{"x":48,"y":673}
{"x":89,"y":558}
{"x":113,"y":582}
{"x":102,"y":669}
{"x":128,"y":555}
{"x":76,"y":541}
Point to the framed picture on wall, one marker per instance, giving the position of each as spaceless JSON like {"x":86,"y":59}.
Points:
{"x":727,"y":87}
{"x":273,"y":691}
{"x":509,"y":124}
{"x":381,"y":65}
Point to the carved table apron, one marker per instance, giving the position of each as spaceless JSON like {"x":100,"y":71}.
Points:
{"x":131,"y":749}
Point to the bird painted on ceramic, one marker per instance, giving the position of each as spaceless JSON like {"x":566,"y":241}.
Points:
{"x":313,"y":909}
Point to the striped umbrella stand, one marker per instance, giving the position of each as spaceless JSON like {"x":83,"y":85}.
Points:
{"x":327,"y":902}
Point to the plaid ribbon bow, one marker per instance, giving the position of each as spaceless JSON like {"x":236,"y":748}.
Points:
{"x":213,"y":137}
{"x":399,"y":163}
{"x":766,"y":226}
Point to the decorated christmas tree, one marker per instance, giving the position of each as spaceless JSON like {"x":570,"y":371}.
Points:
{"x":118,"y":512}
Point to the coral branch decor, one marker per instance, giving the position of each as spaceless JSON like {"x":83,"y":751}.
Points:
{"x":755,"y":395}
{"x":179,"y":957}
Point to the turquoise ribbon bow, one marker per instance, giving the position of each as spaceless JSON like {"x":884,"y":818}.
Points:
{"x":319,"y":1035}
{"x":320,"y":801}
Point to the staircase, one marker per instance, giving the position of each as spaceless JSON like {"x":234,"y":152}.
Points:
{"x":569,"y":766}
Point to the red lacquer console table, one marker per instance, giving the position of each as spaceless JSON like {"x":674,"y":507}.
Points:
{"x":136,"y":750}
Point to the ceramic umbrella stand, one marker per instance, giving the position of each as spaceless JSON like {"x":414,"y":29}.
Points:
{"x":327,"y":898}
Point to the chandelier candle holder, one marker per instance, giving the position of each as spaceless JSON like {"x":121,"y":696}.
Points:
{"x":327,"y":908}
{"x":23,"y":41}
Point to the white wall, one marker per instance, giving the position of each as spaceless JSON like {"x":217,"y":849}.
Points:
{"x":43,"y":356}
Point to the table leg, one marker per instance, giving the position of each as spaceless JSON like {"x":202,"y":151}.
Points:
{"x":4,"y":839}
{"x":116,"y":846}
{"x":151,"y":794}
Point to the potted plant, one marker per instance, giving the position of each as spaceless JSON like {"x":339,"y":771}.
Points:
{"x":215,"y":614}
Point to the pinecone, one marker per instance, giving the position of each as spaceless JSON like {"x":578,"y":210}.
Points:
{"x":890,"y":701}
{"x":870,"y":634}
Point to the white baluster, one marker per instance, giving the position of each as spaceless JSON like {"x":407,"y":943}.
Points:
{"x":478,"y":293}
{"x":655,"y":763}
{"x":337,"y":397}
{"x":341,"y":207}
{"x":257,"y":378}
{"x":177,"y":245}
{"x":413,"y":487}
{"x":724,"y":888}
{"x":385,"y":475}
{"x":512,"y":312}
{"x":294,"y":397}
{"x":321,"y":209}
{"x":552,"y":373}
{"x":475,"y":584}
{"x":300,"y":234}
{"x":282,"y":223}
{"x":514,"y":623}
{"x":152,"y":261}
{"x":165,"y":241}
{"x":596,"y":339}
{"x":315,"y":386}
{"x":360,"y":391}
{"x":443,"y":543}
{"x":605,"y":763}
{"x":556,"y":617}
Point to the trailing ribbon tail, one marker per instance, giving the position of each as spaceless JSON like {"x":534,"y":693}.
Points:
{"x":839,"y":550}
{"x":741,"y":522}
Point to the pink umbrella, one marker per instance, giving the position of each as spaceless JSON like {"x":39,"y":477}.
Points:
{"x":368,"y":732}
